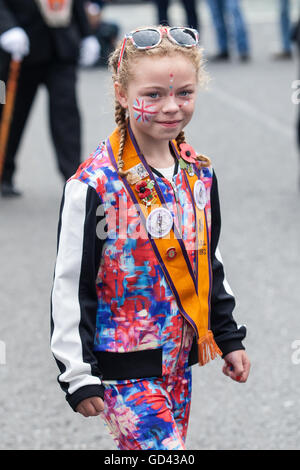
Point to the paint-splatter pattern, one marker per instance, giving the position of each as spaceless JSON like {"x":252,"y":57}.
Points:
{"x":152,"y":414}
{"x":136,"y":307}
{"x":137,"y":310}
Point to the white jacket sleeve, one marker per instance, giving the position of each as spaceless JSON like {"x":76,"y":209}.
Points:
{"x":74,"y":297}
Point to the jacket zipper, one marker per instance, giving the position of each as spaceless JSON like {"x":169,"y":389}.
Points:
{"x":181,"y":342}
{"x":175,"y":190}
{"x":177,"y":206}
{"x":180,"y":231}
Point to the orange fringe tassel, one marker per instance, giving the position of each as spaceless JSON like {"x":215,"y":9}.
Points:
{"x":207,"y":349}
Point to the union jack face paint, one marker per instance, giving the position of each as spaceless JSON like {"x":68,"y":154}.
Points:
{"x":143,"y":111}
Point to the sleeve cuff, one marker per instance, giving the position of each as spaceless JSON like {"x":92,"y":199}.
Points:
{"x":233,"y":344}
{"x":230,"y":346}
{"x":85,"y":392}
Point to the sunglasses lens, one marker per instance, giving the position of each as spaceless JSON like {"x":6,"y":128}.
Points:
{"x":184,"y":36}
{"x":146,"y":38}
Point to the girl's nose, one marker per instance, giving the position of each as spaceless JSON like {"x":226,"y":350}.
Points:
{"x":170,"y":104}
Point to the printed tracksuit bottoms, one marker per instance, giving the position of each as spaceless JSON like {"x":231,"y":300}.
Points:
{"x":152,"y":414}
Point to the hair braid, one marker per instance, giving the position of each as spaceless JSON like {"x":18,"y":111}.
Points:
{"x":180,"y":139}
{"x":202,"y":159}
{"x":125,"y":73}
{"x":120,"y":118}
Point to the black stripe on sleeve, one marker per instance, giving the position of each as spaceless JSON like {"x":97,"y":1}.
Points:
{"x":227,"y":335}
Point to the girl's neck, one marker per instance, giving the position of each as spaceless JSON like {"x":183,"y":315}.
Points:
{"x":157,"y":154}
{"x":158,"y":159}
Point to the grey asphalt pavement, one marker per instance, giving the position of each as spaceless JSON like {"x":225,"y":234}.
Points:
{"x":245,"y":122}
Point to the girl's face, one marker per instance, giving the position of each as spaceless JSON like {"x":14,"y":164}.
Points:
{"x":160,"y":97}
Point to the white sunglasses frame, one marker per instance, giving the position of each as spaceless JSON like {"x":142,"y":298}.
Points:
{"x":162,"y":31}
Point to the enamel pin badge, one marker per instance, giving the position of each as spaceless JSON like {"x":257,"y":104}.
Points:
{"x":146,"y":192}
{"x":137,"y":173}
{"x":200,"y":196}
{"x":171,"y":253}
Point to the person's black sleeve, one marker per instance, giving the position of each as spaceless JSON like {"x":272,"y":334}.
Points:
{"x":295,"y":30}
{"x":74,"y":298}
{"x":7,"y":18}
{"x":81,"y":18}
{"x":226,"y":333}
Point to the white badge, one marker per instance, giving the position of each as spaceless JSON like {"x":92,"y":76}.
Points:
{"x":159,"y":222}
{"x":140,"y":170}
{"x":200,"y":194}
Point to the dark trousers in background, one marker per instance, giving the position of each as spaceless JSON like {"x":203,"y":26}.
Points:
{"x":64,"y":118}
{"x":190,"y":9}
{"x":285,"y":24}
{"x":229,"y":24}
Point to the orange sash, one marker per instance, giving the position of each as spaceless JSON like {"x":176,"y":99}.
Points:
{"x":190,"y":289}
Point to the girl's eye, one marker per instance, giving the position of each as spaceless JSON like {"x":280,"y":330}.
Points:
{"x":185,"y":93}
{"x":153,"y":95}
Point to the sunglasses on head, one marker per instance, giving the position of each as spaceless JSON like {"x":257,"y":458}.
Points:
{"x":151,"y":37}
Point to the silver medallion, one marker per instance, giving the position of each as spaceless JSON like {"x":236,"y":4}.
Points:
{"x":200,"y":196}
{"x":159,"y":222}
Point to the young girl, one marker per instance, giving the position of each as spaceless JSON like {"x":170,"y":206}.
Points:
{"x":139,"y":293}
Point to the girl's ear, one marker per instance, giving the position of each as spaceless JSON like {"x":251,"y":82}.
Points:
{"x":121,"y":96}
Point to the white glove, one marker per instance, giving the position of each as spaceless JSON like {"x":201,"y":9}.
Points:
{"x":89,"y":51}
{"x":16,"y":42}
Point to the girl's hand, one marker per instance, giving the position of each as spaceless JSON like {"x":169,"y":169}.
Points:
{"x":92,"y":406}
{"x":237,"y":366}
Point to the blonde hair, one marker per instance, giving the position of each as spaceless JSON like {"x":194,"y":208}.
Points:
{"x":125,"y":73}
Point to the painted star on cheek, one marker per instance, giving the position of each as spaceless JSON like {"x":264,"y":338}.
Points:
{"x":143,"y":111}
{"x":186,"y":103}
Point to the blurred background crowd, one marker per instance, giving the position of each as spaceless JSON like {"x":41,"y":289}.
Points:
{"x":51,"y":52}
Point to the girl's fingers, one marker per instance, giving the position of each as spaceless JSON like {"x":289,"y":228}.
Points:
{"x":235,"y":373}
{"x":91,"y":407}
{"x":80,"y":409}
{"x":227,"y":369}
{"x":237,"y":366}
{"x":98,"y":404}
{"x":247,"y":366}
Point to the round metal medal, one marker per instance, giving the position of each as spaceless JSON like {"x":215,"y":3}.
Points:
{"x":200,"y":195}
{"x":159,"y":222}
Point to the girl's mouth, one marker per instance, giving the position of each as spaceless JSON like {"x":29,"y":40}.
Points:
{"x":169,"y":123}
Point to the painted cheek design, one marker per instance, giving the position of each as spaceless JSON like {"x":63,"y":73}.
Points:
{"x":143,"y":111}
{"x":186,"y":103}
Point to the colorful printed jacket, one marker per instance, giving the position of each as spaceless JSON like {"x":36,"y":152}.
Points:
{"x":113,"y":313}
